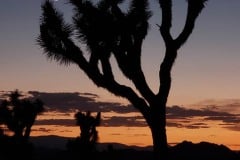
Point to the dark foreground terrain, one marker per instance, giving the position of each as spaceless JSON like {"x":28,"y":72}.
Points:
{"x":182,"y":151}
{"x":45,"y":149}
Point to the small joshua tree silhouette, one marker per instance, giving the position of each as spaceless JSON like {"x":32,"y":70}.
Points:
{"x":88,"y":139}
{"x":19,"y":114}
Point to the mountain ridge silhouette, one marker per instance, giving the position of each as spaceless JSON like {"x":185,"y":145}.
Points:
{"x":59,"y":142}
{"x":55,"y":146}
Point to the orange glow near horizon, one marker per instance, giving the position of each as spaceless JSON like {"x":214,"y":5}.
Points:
{"x":213,"y":132}
{"x":141,"y":136}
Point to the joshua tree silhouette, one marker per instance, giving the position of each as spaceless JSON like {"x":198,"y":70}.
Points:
{"x":86,"y":143}
{"x":107,"y":30}
{"x":19,"y":114}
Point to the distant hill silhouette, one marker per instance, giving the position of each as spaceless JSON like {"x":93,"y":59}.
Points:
{"x":54,"y":147}
{"x":202,"y":151}
{"x":49,"y":142}
{"x":59,"y":143}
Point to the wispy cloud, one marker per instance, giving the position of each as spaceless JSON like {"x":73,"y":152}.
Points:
{"x":43,"y":130}
{"x":182,"y":117}
{"x":235,"y":127}
{"x":224,"y":105}
{"x":181,"y":112}
{"x":61,"y":122}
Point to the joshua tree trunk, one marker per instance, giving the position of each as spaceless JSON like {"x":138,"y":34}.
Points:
{"x":27,"y":131}
{"x":158,"y":110}
{"x":159,"y":137}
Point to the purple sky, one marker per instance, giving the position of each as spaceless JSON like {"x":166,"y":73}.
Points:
{"x":207,"y":66}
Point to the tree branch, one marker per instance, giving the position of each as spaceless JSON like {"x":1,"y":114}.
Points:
{"x":109,"y":83}
{"x":133,"y":30}
{"x":166,"y":25}
{"x":56,"y":41}
{"x":106,"y":68}
{"x":194,"y":9}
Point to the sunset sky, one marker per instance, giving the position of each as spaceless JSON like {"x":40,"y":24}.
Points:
{"x":204,"y":102}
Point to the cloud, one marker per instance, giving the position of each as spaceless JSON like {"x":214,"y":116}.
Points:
{"x":175,"y":124}
{"x":197,"y":126}
{"x":224,"y":105}
{"x":177,"y":116}
{"x":68,"y":102}
{"x":181,"y":112}
{"x":234,"y":127}
{"x":187,"y":125}
{"x":124,"y":121}
{"x":181,"y":117}
{"x":226,"y":119}
{"x":64,"y":104}
{"x":43,"y":130}
{"x":61,"y":122}
{"x":109,"y":122}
